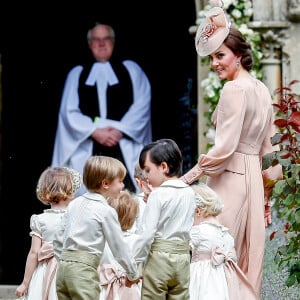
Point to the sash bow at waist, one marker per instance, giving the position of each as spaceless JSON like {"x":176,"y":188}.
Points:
{"x":217,"y":256}
{"x":114,"y":281}
{"x":239,"y":288}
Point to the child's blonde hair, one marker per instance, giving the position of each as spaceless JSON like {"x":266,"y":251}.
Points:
{"x":98,"y":168}
{"x":57,"y":184}
{"x":127,"y":209}
{"x":207,"y":200}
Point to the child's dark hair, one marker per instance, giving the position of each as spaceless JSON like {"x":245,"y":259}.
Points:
{"x":163,"y":150}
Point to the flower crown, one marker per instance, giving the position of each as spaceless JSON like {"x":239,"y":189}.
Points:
{"x":77,"y":179}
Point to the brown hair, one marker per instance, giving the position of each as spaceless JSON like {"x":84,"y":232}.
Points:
{"x":55,"y":184}
{"x":98,"y":168}
{"x":127,"y":209}
{"x":240,"y":47}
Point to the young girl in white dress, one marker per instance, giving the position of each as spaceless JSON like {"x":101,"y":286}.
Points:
{"x":56,"y":187}
{"x":215,"y":274}
{"x":111,"y":273}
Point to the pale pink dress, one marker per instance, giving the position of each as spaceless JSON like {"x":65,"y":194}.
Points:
{"x":244,"y":126}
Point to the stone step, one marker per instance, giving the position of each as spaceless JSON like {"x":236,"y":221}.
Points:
{"x":7,"y":292}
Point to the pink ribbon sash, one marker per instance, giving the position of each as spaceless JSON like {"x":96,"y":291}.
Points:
{"x":239,"y":287}
{"x":114,"y":282}
{"x":46,"y":253}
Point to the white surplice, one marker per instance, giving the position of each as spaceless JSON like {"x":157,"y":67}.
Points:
{"x":73,"y":145}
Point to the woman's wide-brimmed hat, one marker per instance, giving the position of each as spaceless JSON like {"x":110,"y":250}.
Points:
{"x":212,"y":31}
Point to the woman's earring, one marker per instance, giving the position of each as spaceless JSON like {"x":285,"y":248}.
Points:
{"x":238,"y":64}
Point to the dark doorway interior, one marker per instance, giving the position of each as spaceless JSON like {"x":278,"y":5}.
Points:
{"x":38,"y":47}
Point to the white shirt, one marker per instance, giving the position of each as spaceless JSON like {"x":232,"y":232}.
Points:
{"x":169,"y":215}
{"x":89,"y":222}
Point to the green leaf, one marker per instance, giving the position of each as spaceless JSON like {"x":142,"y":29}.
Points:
{"x":289,"y":200}
{"x":279,"y":187}
{"x":296,"y":169}
{"x":291,"y":280}
{"x":267,"y":160}
{"x":276,"y":138}
{"x":285,"y":162}
{"x":297,"y":216}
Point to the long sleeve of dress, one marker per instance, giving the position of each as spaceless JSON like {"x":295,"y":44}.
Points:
{"x":230,"y":116}
{"x":244,"y":124}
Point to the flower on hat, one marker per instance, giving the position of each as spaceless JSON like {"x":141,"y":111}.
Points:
{"x":213,"y":30}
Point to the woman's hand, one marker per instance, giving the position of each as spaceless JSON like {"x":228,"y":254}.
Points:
{"x":268,"y":219}
{"x":267,"y":196}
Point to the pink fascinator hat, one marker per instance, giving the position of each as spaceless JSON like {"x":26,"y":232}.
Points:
{"x":213,"y":30}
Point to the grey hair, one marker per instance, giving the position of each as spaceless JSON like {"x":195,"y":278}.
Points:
{"x":207,"y":199}
{"x":111,"y":31}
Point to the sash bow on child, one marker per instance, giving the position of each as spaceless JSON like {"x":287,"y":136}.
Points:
{"x":115,"y":283}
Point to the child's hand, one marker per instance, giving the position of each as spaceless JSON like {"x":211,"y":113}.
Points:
{"x":146,"y":188}
{"x":21,"y":290}
{"x":129,"y":283}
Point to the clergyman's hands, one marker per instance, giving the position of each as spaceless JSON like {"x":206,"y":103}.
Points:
{"x":108,"y":136}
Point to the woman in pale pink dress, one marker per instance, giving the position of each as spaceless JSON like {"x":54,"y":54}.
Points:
{"x":56,"y":187}
{"x":244,"y":126}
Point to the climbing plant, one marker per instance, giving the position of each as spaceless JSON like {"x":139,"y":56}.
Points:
{"x":286,"y":192}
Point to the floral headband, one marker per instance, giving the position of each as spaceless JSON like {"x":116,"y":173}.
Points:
{"x":77,"y":179}
{"x":213,"y":30}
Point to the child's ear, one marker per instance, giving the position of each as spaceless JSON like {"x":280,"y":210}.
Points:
{"x":165,"y":167}
{"x":198,"y":211}
{"x":105,"y":184}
